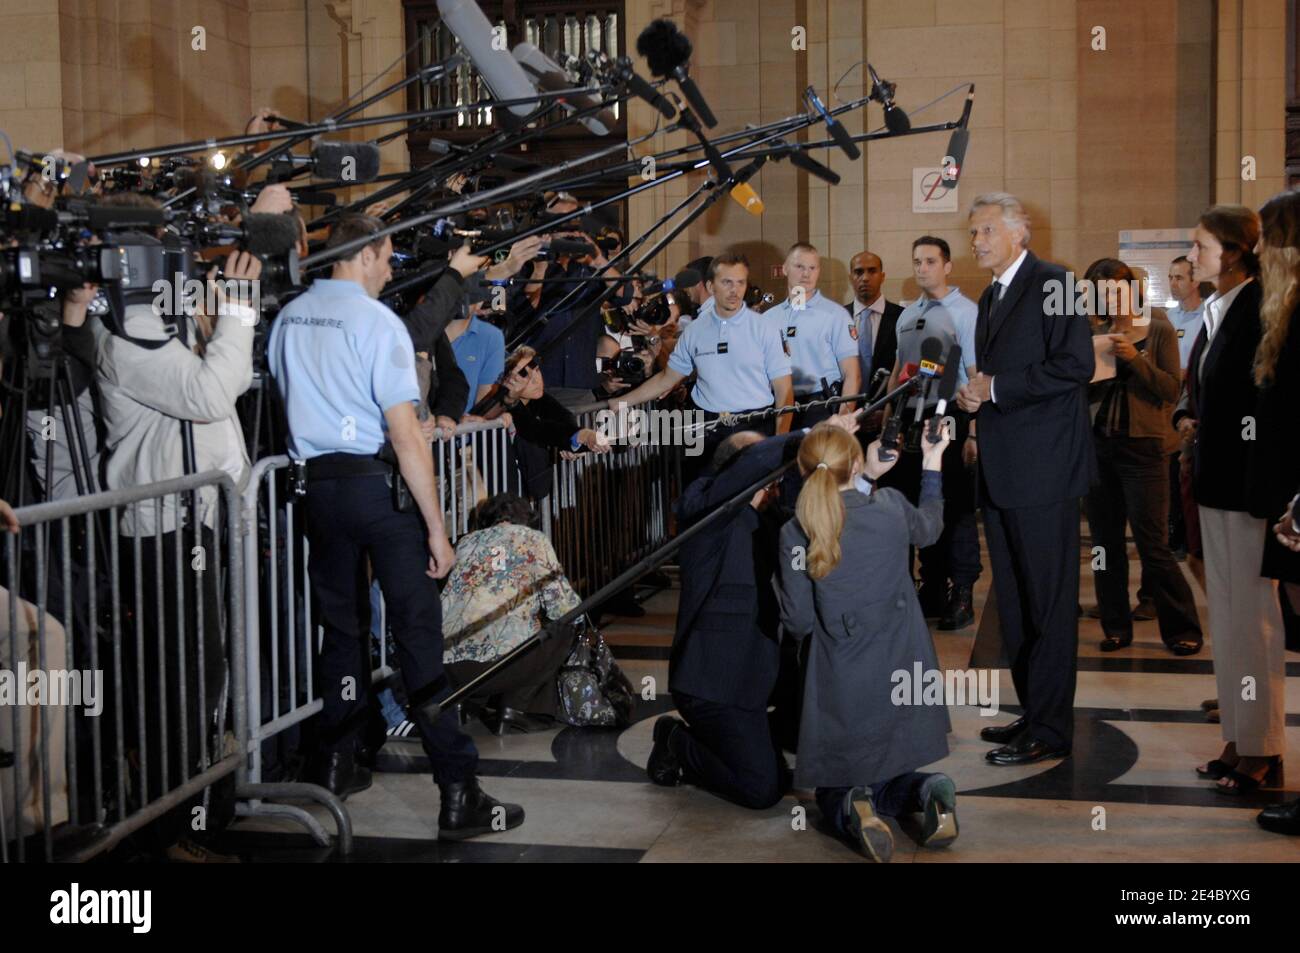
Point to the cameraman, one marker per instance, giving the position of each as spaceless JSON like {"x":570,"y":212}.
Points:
{"x":161,"y":373}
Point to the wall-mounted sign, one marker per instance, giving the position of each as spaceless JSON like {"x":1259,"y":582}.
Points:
{"x":929,"y":194}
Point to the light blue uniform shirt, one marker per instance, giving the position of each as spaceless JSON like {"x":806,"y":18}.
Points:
{"x":481,"y":356}
{"x":951,"y":319}
{"x":340,"y":359}
{"x":817,"y":337}
{"x":737,"y":359}
{"x":1187,"y":324}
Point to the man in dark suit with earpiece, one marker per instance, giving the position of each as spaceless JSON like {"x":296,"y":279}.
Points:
{"x":1035,"y":461}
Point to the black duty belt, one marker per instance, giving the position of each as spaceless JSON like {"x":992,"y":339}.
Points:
{"x":334,"y":466}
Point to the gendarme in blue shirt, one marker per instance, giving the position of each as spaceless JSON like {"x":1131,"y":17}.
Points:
{"x":817,"y":337}
{"x":1187,"y":324}
{"x":951,"y":320}
{"x":737,"y":359}
{"x":480,"y":355}
{"x":340,"y":359}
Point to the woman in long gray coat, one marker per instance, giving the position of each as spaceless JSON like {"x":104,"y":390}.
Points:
{"x":844,"y":581}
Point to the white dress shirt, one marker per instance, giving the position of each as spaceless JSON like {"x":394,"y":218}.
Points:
{"x":1004,"y":280}
{"x":1216,"y":306}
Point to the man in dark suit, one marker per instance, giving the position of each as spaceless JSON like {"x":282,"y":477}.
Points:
{"x":726,"y":651}
{"x":1035,"y":460}
{"x":874,"y":319}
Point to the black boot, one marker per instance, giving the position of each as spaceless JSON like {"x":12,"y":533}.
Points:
{"x":960,"y":611}
{"x":341,"y":775}
{"x":468,"y":811}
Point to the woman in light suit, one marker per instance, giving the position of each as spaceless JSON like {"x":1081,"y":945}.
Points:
{"x":844,"y":580}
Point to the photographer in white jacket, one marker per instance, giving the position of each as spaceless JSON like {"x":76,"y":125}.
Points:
{"x":149,"y":393}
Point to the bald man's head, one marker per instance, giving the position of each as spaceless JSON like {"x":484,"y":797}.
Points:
{"x":730,"y":448}
{"x":867,"y":274}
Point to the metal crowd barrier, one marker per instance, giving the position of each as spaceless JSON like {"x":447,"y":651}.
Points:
{"x":118,"y":736}
{"x":603,"y":512}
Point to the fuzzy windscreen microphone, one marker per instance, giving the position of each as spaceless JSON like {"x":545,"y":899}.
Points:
{"x":270,"y":233}
{"x":667,"y":50}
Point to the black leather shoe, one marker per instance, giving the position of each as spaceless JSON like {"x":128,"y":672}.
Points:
{"x":663,"y":767}
{"x":1184,"y":647}
{"x":1026,"y":750}
{"x":468,"y":811}
{"x":1113,"y":643}
{"x":1281,"y":818}
{"x":960,"y":611}
{"x":1001,"y":734}
{"x":341,"y":775}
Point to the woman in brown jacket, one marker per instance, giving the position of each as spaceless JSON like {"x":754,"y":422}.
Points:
{"x":1131,"y":429}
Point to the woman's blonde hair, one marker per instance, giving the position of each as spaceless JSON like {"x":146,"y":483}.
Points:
{"x":1280,"y":276}
{"x":826,"y":459}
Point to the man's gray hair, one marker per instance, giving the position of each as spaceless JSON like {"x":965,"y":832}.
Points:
{"x":1013,"y":213}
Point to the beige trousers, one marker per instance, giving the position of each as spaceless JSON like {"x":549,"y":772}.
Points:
{"x":1246,"y":628}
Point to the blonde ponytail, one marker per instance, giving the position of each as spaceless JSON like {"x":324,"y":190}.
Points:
{"x":826,"y":459}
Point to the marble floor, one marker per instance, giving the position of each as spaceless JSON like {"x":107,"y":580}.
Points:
{"x":1127,"y":794}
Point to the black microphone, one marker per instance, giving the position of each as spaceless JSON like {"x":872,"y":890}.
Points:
{"x":814,"y":168}
{"x":837,"y":130}
{"x":667,"y":51}
{"x":947,"y":389}
{"x":956,"y":155}
{"x":643,"y":89}
{"x":896,"y":120}
{"x":711,"y":152}
{"x":270,"y":233}
{"x":931,"y":366}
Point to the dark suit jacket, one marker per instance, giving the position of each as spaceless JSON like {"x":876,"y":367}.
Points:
{"x":727,"y":648}
{"x":1219,"y":400}
{"x":1034,"y":443}
{"x":1275,"y":453}
{"x":885,"y":350}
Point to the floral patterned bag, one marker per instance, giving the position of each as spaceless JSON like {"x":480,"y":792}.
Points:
{"x":594,"y":692}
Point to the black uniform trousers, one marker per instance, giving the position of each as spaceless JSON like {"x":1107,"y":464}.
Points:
{"x":1034,"y":551}
{"x":348,"y":519}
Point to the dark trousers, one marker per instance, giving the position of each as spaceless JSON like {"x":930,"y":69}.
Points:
{"x":1133,"y":486}
{"x":1034,"y":551}
{"x":349,"y":519}
{"x":169,"y":644}
{"x":1177,"y":525}
{"x":955,"y":555}
{"x":526,"y":685}
{"x":728,"y":751}
{"x":900,"y":795}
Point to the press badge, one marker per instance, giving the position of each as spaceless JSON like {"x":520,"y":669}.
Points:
{"x":722,"y":347}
